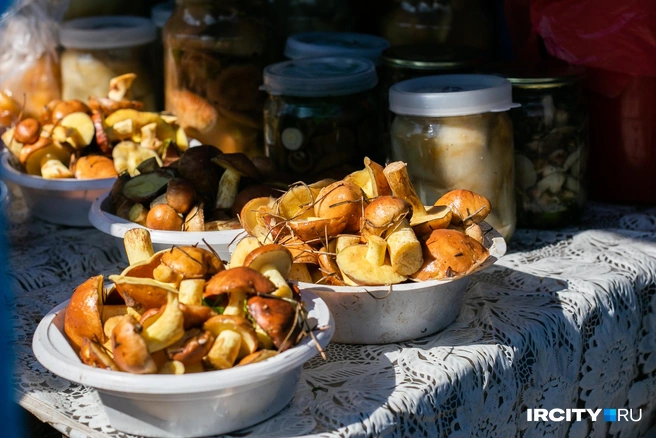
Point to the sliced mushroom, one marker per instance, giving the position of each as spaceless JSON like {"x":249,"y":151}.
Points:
{"x":94,"y":167}
{"x":191,"y":349}
{"x":236,"y":165}
{"x":355,"y":266}
{"x":235,"y":338}
{"x":130,"y":349}
{"x":274,"y":262}
{"x":119,"y":86}
{"x":92,"y":353}
{"x":168,"y":327}
{"x":84,"y":313}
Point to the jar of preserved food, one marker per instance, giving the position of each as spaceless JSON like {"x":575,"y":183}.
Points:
{"x":551,"y":145}
{"x":97,"y":49}
{"x":453,"y":131}
{"x":320,"y":118}
{"x":348,"y":44}
{"x":159,"y":15}
{"x":214,"y":56}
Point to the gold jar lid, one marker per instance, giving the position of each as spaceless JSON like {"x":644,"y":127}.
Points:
{"x":432,"y":57}
{"x":542,"y":74}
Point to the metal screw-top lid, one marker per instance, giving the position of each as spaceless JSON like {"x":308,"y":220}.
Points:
{"x":451,"y":95}
{"x":432,"y":57}
{"x":311,"y":77}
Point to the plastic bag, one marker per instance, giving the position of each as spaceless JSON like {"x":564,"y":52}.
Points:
{"x":29,"y":65}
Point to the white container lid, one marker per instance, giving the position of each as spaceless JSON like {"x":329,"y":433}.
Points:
{"x":451,"y":95}
{"x":315,"y":77}
{"x":108,"y":32}
{"x":349,"y":44}
{"x":160,"y":14}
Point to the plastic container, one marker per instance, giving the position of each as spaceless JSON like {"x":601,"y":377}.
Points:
{"x":191,"y":405}
{"x":320,"y":117}
{"x":219,"y":241}
{"x":380,"y":314}
{"x":454,"y":132}
{"x":97,"y":49}
{"x":214,"y":56}
{"x":347,"y":44}
{"x":551,"y":145}
{"x":159,"y":15}
{"x":60,"y":201}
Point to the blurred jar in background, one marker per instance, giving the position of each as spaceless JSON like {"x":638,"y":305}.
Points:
{"x":159,"y":15}
{"x":452,"y":22}
{"x":215,"y":53}
{"x":454,"y":132}
{"x":347,"y":44}
{"x":97,"y":49}
{"x":551,"y":144}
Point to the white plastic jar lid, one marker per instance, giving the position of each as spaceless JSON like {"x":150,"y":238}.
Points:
{"x":451,"y":95}
{"x":315,"y":77}
{"x":349,"y":44}
{"x":108,"y":32}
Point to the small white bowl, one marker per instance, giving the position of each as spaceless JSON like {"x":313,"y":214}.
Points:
{"x":191,"y":405}
{"x":380,"y":315}
{"x":219,"y":241}
{"x":63,"y":201}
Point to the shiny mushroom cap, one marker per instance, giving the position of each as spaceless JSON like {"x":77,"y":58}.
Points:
{"x":277,"y":318}
{"x":384,"y":213}
{"x":272,"y":254}
{"x":467,"y":206}
{"x":192,"y":262}
{"x":238,"y":279}
{"x":238,"y":162}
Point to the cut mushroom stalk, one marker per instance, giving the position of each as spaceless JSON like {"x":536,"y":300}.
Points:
{"x":55,"y":169}
{"x":168,"y":328}
{"x":191,"y":291}
{"x":225,"y":350}
{"x":138,"y":245}
{"x":376,"y":250}
{"x":236,"y":165}
{"x":405,"y":249}
{"x":274,"y":262}
{"x":235,"y":304}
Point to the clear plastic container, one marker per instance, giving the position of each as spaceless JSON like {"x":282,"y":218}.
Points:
{"x":454,"y":132}
{"x":97,"y":49}
{"x":348,"y":44}
{"x":551,"y":145}
{"x":320,"y":117}
{"x":214,"y":56}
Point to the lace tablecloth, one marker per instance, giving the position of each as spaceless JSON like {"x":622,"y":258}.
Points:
{"x":566,"y":320}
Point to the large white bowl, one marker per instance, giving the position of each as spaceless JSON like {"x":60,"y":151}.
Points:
{"x":61,"y":201}
{"x":380,"y":315}
{"x":219,"y":241}
{"x":190,"y":405}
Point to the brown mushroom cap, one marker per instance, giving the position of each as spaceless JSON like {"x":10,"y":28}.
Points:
{"x":383,"y":213}
{"x":258,"y":356}
{"x":449,"y":253}
{"x":94,"y":167}
{"x":180,"y":195}
{"x":271,"y":254}
{"x":467,"y":206}
{"x":277,"y":318}
{"x":191,"y":349}
{"x":92,"y":353}
{"x":83,"y":314}
{"x":130,"y":349}
{"x":163,"y":217}
{"x":27,"y":131}
{"x":341,"y":199}
{"x":192,"y":261}
{"x":238,"y":279}
{"x":66,"y":107}
{"x":239,"y":163}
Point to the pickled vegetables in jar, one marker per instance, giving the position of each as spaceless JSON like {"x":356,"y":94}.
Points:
{"x":214,"y":56}
{"x":453,"y":131}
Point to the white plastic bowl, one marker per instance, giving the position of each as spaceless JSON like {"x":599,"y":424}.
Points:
{"x":220,"y":241}
{"x":190,"y":405}
{"x":378,"y":315}
{"x":61,"y":201}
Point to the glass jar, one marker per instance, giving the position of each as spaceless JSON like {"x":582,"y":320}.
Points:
{"x":97,"y":49}
{"x":348,"y":44}
{"x":551,"y":145}
{"x":320,"y":117}
{"x":214,"y":56}
{"x":453,"y":131}
{"x":159,"y":15}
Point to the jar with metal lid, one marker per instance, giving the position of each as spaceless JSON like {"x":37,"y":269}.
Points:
{"x":320,"y":117}
{"x":551,"y":145}
{"x":97,"y":49}
{"x":214,"y":56}
{"x":348,"y":44}
{"x":453,"y":131}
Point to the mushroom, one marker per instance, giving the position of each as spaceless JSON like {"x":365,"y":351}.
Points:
{"x":236,"y":165}
{"x":274,"y":262}
{"x":65,"y":107}
{"x":94,"y":354}
{"x":195,"y":315}
{"x":81,"y":130}
{"x":119,"y":86}
{"x":130,"y":349}
{"x":423,"y":221}
{"x":149,"y":138}
{"x":341,"y":200}
{"x":163,"y":217}
{"x":387,"y":216}
{"x":141,"y":293}
{"x":242,"y":249}
{"x":55,"y":169}
{"x":238,"y":282}
{"x":128,"y":155}
{"x":83,"y":313}
{"x":191,"y":291}
{"x":33,"y":156}
{"x":138,"y":245}
{"x":191,"y":349}
{"x":277,"y":318}
{"x":180,"y":195}
{"x":371,"y":179}
{"x":167,"y":328}
{"x":192,"y":110}
{"x":191,"y":262}
{"x":93,"y":167}
{"x":469,"y":209}
{"x":195,"y":219}
{"x":357,"y":267}
{"x":258,"y":356}
{"x":27,"y":131}
{"x":235,"y":338}
{"x":449,"y":253}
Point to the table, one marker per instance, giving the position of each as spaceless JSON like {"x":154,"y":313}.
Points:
{"x":566,"y":320}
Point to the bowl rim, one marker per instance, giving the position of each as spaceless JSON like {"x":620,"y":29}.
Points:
{"x":494,"y":242}
{"x":11,"y":174}
{"x":61,"y":360}
{"x":117,"y":227}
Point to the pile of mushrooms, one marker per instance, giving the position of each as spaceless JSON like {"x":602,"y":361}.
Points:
{"x":181,"y":311}
{"x":204,"y":190}
{"x":369,"y":228}
{"x":98,"y":139}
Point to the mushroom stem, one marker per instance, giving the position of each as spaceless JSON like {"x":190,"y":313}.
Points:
{"x":54,"y":169}
{"x":283,"y":289}
{"x":191,"y":291}
{"x":168,"y":328}
{"x":228,"y":186}
{"x":399,"y":181}
{"x":138,"y":245}
{"x":405,"y":250}
{"x":376,"y":250}
{"x":225,"y":349}
{"x":236,"y":304}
